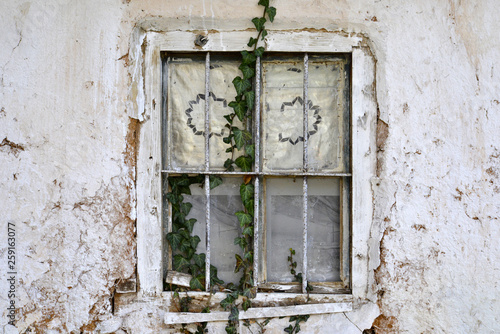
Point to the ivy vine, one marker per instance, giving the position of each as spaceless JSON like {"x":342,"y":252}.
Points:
{"x":181,"y":238}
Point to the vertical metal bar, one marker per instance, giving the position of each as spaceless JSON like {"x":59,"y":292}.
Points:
{"x":256,"y":236}
{"x":305,"y":106}
{"x":207,"y":167}
{"x":257,"y":115}
{"x":207,"y":112}
{"x":169,"y":223}
{"x":207,"y":236}
{"x":304,"y":234}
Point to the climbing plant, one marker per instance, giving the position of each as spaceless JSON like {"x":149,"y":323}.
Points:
{"x":181,"y":239}
{"x":240,"y":142}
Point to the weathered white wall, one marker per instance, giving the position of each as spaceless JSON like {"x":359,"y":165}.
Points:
{"x":67,"y":161}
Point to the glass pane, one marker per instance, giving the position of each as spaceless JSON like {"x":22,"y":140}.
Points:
{"x":222,"y":92}
{"x":198,"y":199}
{"x":225,"y":200}
{"x":283,"y":227}
{"x":186,"y":112}
{"x":323,"y":233}
{"x":282,"y":114}
{"x":327,"y":103}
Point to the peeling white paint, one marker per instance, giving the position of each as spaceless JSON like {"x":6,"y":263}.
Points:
{"x":66,"y":97}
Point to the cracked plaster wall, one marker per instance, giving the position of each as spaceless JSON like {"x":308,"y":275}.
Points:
{"x":67,"y":159}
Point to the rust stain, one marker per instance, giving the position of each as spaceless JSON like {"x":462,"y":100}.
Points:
{"x":12,"y":147}
{"x":384,"y":324}
{"x":382,"y":135}
{"x":419,"y":227}
{"x":460,"y":193}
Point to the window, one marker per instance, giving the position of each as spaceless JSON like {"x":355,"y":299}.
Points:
{"x":301,"y":182}
{"x":346,"y":180}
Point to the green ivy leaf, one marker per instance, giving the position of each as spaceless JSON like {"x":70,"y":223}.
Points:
{"x":227,"y":139}
{"x":264,"y":3}
{"x":259,"y":22}
{"x":240,"y":109}
{"x":246,"y":192}
{"x":235,"y":313}
{"x":190,"y":224}
{"x":249,"y":205}
{"x":250,"y":99}
{"x":246,"y":304}
{"x":215,"y":181}
{"x":228,"y":164}
{"x":174,"y":239}
{"x":250,"y":293}
{"x":227,"y":302}
{"x":259,"y":51}
{"x":244,"y":218}
{"x":241,"y":85}
{"x":229,"y":118}
{"x":289,"y":329}
{"x":248,"y":231}
{"x":271,"y":12}
{"x":250,"y":150}
{"x":184,"y":233}
{"x":213,"y":276}
{"x":248,"y":58}
{"x":240,"y":242}
{"x":241,"y":137}
{"x":180,"y":262}
{"x":248,"y":256}
{"x":252,"y":42}
{"x":185,"y":208}
{"x":247,"y":71}
{"x":245,"y":163}
{"x":194,"y":241}
{"x":174,"y":198}
{"x":197,"y":283}
{"x":264,"y":34}
{"x":229,"y":149}
{"x":186,"y":245}
{"x":199,"y":260}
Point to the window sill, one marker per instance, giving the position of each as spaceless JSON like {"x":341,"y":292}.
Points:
{"x":266,"y":305}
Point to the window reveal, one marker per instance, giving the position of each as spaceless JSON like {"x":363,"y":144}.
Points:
{"x":301,"y":181}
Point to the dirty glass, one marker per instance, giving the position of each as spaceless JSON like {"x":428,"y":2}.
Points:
{"x":186,"y":111}
{"x":282,"y":115}
{"x":225,"y":200}
{"x":323,"y":230}
{"x":284,"y":227}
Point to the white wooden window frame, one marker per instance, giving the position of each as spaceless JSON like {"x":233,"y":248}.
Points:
{"x":146,"y":95}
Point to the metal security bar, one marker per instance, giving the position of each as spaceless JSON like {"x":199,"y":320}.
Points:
{"x":207,"y":168}
{"x":259,"y":177}
{"x":256,"y":234}
{"x":305,"y":153}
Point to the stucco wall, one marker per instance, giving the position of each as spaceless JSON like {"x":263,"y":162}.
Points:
{"x":67,"y":153}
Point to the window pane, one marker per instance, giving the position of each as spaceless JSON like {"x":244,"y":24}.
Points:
{"x":198,"y":199}
{"x":222,"y":92}
{"x":327,"y":104}
{"x":283,"y":227}
{"x":282,"y":114}
{"x":323,"y":232}
{"x":186,"y":105}
{"x":225,"y":200}
{"x":186,"y":113}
